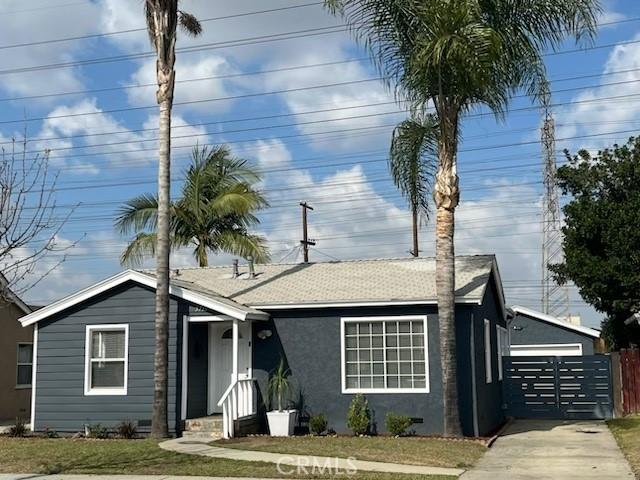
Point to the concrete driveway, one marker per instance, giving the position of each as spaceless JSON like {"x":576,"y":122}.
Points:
{"x":553,"y":449}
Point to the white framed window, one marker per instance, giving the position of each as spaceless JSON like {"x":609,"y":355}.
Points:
{"x":502,"y":335}
{"x":487,"y":351}
{"x":106,"y":359}
{"x":24,"y":369}
{"x":384,"y":354}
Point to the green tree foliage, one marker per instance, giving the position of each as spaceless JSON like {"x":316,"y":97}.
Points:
{"x":215,"y":211}
{"x":602,"y":232}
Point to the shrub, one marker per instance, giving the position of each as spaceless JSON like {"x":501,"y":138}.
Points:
{"x":19,"y":429}
{"x":397,"y":424}
{"x":97,"y":431}
{"x":359,"y":416}
{"x":317,"y":424}
{"x":49,"y":433}
{"x":127,"y":429}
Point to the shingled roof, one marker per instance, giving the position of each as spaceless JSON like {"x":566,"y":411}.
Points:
{"x":358,"y":281}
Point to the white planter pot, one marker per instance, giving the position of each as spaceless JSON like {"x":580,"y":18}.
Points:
{"x":281,"y":423}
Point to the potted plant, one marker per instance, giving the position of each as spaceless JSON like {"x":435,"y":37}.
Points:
{"x":281,"y":421}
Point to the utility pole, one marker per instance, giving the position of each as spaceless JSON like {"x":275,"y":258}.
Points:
{"x":305,"y":238}
{"x":555,"y":298}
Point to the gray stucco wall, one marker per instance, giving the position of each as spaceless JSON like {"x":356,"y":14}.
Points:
{"x":309,"y":341}
{"x":60,"y":401}
{"x":489,"y":395}
{"x":531,"y":331}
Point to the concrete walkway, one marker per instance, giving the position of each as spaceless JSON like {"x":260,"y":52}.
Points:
{"x":548,"y":449}
{"x":36,"y":476}
{"x":288,"y":463}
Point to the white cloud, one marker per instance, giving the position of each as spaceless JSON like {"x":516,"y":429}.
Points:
{"x":95,"y":138}
{"x":187,"y":67}
{"x":34,"y":26}
{"x":589,"y":116}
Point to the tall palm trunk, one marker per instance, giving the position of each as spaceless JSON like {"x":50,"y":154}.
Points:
{"x":446,"y":195}
{"x":165,"y":75}
{"x":414,"y":218}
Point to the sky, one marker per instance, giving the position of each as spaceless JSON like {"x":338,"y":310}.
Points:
{"x":285,"y":86}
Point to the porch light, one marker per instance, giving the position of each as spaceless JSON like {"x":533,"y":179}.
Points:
{"x":264,"y":334}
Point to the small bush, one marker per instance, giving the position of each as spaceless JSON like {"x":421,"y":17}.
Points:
{"x":359,"y":416}
{"x":127,"y":429}
{"x":49,"y":433}
{"x":317,"y":424}
{"x":19,"y":429}
{"x":50,"y":469}
{"x":397,"y":424}
{"x":97,"y":431}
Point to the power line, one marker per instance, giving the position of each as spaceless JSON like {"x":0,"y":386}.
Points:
{"x":144,"y":29}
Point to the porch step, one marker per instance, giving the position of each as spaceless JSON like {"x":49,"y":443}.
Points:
{"x":210,"y":426}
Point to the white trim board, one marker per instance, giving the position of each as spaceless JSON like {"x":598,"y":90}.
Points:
{"x":555,"y":321}
{"x":34,"y":371}
{"x":100,"y":391}
{"x":142,"y":279}
{"x":546,"y":349}
{"x":380,"y":303}
{"x":383,"y":318}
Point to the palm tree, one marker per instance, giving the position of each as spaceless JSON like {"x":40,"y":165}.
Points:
{"x":163,"y":17}
{"x":455,"y":55}
{"x":213,"y":213}
{"x":412,"y":159}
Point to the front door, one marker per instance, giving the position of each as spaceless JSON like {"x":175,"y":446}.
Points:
{"x":221,"y":359}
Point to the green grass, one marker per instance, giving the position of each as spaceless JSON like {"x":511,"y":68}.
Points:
{"x":410,"y":450}
{"x":136,"y":457}
{"x":627,"y":433}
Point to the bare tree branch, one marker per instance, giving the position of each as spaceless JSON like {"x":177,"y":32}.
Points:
{"x":30,"y":223}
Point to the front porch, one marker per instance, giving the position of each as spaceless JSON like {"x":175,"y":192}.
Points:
{"x":219,"y":391}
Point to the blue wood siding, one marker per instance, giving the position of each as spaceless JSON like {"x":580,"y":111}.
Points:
{"x":525,"y":330}
{"x":60,"y":401}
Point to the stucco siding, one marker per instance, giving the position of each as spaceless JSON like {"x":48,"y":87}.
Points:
{"x":15,"y":402}
{"x":60,"y":401}
{"x":489,"y":395}
{"x":310,"y":343}
{"x":525,"y":330}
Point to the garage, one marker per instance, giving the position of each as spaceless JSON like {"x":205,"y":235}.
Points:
{"x":534,"y":333}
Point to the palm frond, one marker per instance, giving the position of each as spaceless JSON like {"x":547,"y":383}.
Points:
{"x":141,"y":247}
{"x":242,"y":244}
{"x":138,"y":214}
{"x":189,"y":23}
{"x":413,"y":159}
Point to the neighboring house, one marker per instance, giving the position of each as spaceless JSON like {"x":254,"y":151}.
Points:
{"x":536,"y":333}
{"x":368,"y":326}
{"x":16,"y":357}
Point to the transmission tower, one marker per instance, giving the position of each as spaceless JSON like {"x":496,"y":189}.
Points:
{"x":555,"y":298}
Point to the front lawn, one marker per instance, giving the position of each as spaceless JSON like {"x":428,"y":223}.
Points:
{"x":627,"y":433}
{"x":135,"y":457}
{"x":411,"y":450}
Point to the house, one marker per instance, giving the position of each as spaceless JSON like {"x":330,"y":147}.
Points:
{"x":16,"y":356}
{"x":344,"y":327}
{"x":536,"y":333}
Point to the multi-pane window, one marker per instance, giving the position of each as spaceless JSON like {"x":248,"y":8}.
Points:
{"x":503,"y":347}
{"x":487,"y":351}
{"x":384,"y":354}
{"x":106,"y":370}
{"x":25,"y":364}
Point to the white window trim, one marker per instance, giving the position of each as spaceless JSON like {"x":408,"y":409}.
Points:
{"x":345,"y":320}
{"x":87,"y":360}
{"x":502,"y":335}
{"x":488,"y":363}
{"x":20,"y":386}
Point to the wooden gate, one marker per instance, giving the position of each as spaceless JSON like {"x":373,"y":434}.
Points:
{"x":558,"y":387}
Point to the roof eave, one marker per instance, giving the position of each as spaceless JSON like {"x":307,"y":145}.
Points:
{"x":555,"y":321}
{"x":142,"y":279}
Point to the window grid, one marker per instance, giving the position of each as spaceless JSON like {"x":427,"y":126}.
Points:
{"x":24,"y":367}
{"x":107,"y":350}
{"x":385,"y":354}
